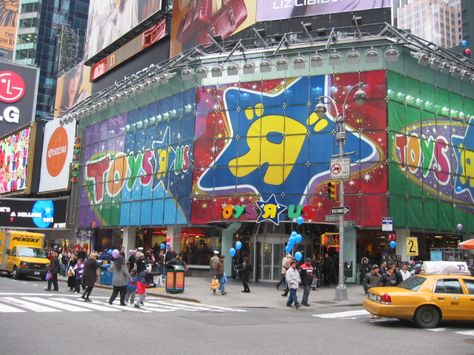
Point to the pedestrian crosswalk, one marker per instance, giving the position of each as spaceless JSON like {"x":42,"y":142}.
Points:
{"x":363,"y":314}
{"x":36,"y":302}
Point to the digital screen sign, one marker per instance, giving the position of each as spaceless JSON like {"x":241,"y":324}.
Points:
{"x":33,"y":213}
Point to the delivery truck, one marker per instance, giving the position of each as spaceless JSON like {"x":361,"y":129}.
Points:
{"x":22,"y":254}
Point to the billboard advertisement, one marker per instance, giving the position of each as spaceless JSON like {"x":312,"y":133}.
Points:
{"x":129,"y":49}
{"x":136,"y":167}
{"x":16,"y":159}
{"x":261,"y":144}
{"x":72,"y":87}
{"x":18,"y":90}
{"x":56,"y":157}
{"x":109,"y":20}
{"x":33,"y":213}
{"x":8,"y":23}
{"x":432,"y":156}
{"x":194,"y":20}
{"x":268,"y":10}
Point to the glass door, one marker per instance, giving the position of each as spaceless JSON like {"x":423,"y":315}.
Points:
{"x":271,"y":253}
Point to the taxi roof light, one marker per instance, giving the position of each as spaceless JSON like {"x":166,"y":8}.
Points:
{"x":445,"y":267}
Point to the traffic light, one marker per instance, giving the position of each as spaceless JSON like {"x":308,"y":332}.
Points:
{"x":332,"y":190}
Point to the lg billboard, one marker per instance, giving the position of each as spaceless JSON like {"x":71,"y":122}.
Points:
{"x":18,"y":90}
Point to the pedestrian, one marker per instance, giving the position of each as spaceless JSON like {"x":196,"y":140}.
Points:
{"x":405,"y":272}
{"x":383,"y":268}
{"x":71,"y":274}
{"x":389,"y":278}
{"x":285,"y":265}
{"x":89,"y":275}
{"x":141,"y":289}
{"x":214,"y":262}
{"x":131,"y":287}
{"x":372,"y":279}
{"x":364,"y":269}
{"x":120,"y":279}
{"x":221,"y":276}
{"x":397,"y":273}
{"x":293,"y":280}
{"x":54,"y":270}
{"x":328,"y":270}
{"x":244,"y":272}
{"x":78,"y":270}
{"x":307,"y":273}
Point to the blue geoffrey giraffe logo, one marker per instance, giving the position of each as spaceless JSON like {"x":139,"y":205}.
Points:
{"x":278,"y":144}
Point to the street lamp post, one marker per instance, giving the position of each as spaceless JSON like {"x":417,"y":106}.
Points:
{"x":360,"y":98}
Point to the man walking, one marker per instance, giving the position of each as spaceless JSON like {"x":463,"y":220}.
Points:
{"x":307,"y":275}
{"x":293,"y":280}
{"x":285,"y":265}
{"x":244,"y":272}
{"x":372,"y":279}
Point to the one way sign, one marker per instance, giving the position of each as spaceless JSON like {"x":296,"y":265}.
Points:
{"x":340,"y":210}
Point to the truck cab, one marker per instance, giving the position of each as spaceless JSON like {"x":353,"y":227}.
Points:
{"x":22,"y":254}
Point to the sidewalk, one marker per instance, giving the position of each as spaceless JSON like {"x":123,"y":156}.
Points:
{"x":262,"y":295}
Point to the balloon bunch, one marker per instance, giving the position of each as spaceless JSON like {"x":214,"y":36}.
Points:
{"x":75,"y":160}
{"x":238,"y":246}
{"x":392,"y":238}
{"x":295,"y":238}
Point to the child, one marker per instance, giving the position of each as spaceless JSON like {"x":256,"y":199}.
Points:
{"x":141,"y":289}
{"x":214,"y":284}
{"x":78,"y":270}
{"x":131,"y":287}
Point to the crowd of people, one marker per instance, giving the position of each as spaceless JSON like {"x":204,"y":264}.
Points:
{"x":130,"y":277}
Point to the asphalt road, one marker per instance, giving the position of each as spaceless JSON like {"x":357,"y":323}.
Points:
{"x":34,"y":321}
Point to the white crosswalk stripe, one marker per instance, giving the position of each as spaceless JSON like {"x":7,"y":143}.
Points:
{"x":37,"y":302}
{"x":362,"y":313}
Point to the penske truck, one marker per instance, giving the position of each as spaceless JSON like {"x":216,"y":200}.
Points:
{"x":22,"y":254}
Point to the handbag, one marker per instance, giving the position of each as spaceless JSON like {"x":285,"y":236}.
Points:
{"x":48,"y":276}
{"x":195,"y":20}
{"x":229,"y":17}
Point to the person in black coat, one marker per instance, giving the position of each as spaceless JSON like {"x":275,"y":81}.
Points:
{"x":244,"y":270}
{"x":54,"y":270}
{"x":89,"y":275}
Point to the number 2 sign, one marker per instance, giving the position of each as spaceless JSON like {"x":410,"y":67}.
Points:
{"x":412,"y":246}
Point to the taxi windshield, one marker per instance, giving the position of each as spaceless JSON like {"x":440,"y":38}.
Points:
{"x":31,"y":252}
{"x":413,"y":283}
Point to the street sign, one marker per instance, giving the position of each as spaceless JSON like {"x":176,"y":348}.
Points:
{"x":387,"y":224}
{"x":330,"y":218}
{"x":349,"y":224}
{"x":340,"y":210}
{"x":340,"y":168}
{"x":412,"y":246}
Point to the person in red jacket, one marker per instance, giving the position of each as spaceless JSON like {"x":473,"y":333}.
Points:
{"x":307,"y":273}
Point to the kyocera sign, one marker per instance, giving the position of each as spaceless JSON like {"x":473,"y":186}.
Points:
{"x":18,"y":88}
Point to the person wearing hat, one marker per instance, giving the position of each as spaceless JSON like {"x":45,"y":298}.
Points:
{"x":307,"y":273}
{"x":372,"y":279}
{"x":214,"y":263}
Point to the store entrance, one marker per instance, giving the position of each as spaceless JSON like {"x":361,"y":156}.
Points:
{"x":271,"y":255}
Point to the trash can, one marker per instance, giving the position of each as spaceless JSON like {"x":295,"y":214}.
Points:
{"x":174,"y":279}
{"x":105,"y":275}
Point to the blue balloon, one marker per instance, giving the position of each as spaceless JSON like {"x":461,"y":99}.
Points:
{"x":298,"y":256}
{"x":298,"y":239}
{"x":162,"y":246}
{"x":293,"y":234}
{"x":238,"y":245}
{"x":393,"y":244}
{"x":287,"y":249}
{"x":300,"y":220}
{"x":232,"y":252}
{"x":291,"y":244}
{"x":292,"y":239}
{"x":109,"y":251}
{"x":464,"y":43}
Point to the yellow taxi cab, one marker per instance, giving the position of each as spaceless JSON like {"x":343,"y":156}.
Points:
{"x":443,"y":291}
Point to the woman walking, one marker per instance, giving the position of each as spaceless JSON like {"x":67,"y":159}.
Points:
{"x":71,"y":274}
{"x":89,"y":275}
{"x":54,"y":270}
{"x":120,"y":279}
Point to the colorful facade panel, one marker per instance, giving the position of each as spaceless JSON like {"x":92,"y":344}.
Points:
{"x":258,"y":139}
{"x":137,"y":166}
{"x":432,"y":154}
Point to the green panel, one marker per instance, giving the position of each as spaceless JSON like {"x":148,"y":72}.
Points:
{"x":446,"y":221}
{"x":415,"y":213}
{"x":430,"y":214}
{"x":398,"y":210}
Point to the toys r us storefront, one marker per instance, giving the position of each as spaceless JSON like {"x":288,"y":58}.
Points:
{"x":186,"y":161}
